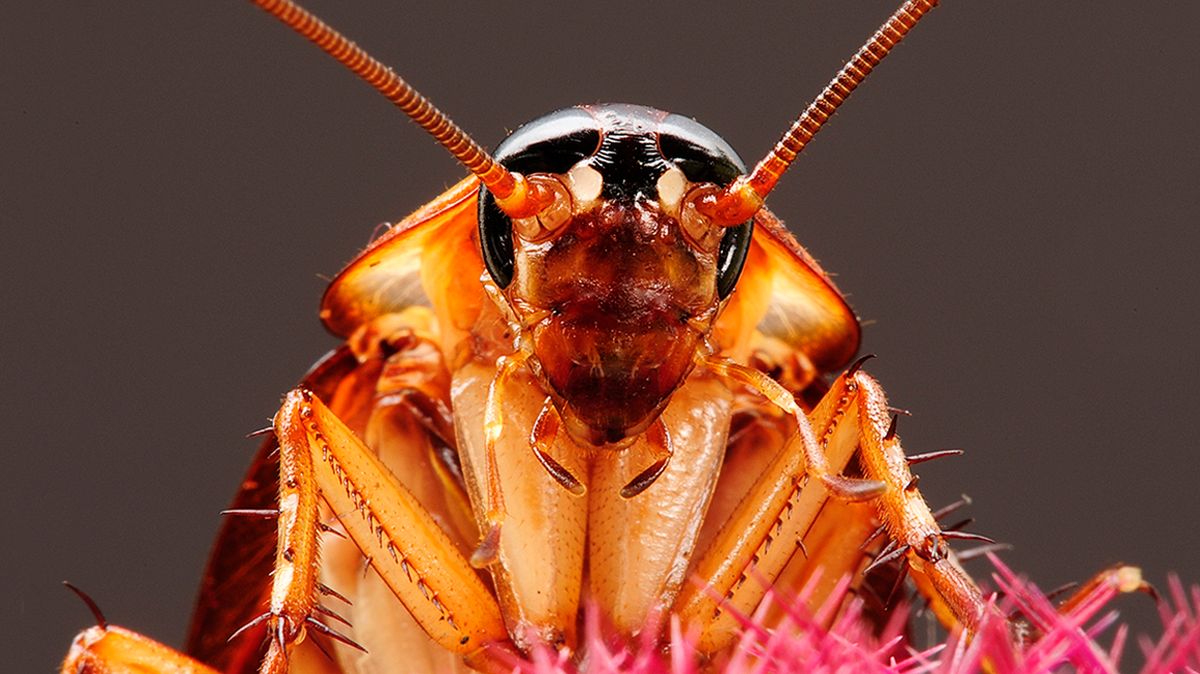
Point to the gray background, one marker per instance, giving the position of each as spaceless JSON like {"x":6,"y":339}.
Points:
{"x":1011,"y":202}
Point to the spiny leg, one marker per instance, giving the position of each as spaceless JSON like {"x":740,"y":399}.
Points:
{"x":294,"y":582}
{"x":417,"y":456}
{"x":911,"y":525}
{"x":853,"y":414}
{"x":319,"y":455}
{"x":768,"y":527}
{"x":835,"y":546}
{"x":816,"y":464}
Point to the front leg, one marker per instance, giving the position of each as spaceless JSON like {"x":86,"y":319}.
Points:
{"x":322,"y":459}
{"x":914,"y":530}
{"x":782,"y":512}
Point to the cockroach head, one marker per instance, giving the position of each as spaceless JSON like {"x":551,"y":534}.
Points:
{"x":621,"y":273}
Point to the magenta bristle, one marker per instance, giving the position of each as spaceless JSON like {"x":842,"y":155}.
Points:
{"x":681,"y":660}
{"x":801,"y":643}
{"x":1118,"y":645}
{"x":1179,"y":646}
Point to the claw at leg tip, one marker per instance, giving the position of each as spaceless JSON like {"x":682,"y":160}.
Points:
{"x":1129,"y":579}
{"x":489,"y":548}
{"x":854,"y":368}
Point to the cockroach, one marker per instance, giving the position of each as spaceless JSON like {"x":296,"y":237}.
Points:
{"x":598,"y":371}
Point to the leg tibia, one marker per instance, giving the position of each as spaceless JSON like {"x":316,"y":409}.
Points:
{"x":410,"y":552}
{"x":770,"y":524}
{"x":785,"y":530}
{"x":833,"y":550}
{"x":910,"y":523}
{"x":817,"y":466}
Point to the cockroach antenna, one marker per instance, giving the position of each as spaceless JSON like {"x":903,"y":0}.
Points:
{"x":744,"y":197}
{"x":514,"y":195}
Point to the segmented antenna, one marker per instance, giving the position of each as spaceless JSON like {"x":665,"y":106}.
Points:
{"x":742,"y":199}
{"x":513,"y":193}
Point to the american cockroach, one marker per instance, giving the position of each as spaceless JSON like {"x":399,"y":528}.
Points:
{"x":597,"y":370}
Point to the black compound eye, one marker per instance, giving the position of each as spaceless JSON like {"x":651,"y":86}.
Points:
{"x":549,"y":144}
{"x":731,"y":256}
{"x":702,"y":155}
{"x":705,"y":157}
{"x":495,"y":238}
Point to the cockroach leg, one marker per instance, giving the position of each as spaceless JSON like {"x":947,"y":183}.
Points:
{"x":116,"y":649}
{"x":541,"y":438}
{"x":835,"y":543}
{"x":910,"y":523}
{"x":816,"y":464}
{"x":1029,"y":625}
{"x":414,"y":372}
{"x":322,"y":459}
{"x":774,"y":525}
{"x":488,"y":550}
{"x":293,"y":588}
{"x":659,"y":440}
{"x":431,"y":412}
{"x":783,"y":506}
{"x":108,"y":648}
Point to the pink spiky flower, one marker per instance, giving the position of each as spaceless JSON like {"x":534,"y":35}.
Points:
{"x":839,"y":638}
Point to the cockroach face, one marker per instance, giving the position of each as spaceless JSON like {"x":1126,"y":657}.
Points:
{"x":618,"y":282}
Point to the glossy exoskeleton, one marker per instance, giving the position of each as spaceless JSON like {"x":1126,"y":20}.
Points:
{"x":596,"y":372}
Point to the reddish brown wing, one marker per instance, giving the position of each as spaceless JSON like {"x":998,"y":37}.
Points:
{"x":786,"y":294}
{"x":428,"y":259}
{"x":236,"y":580}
